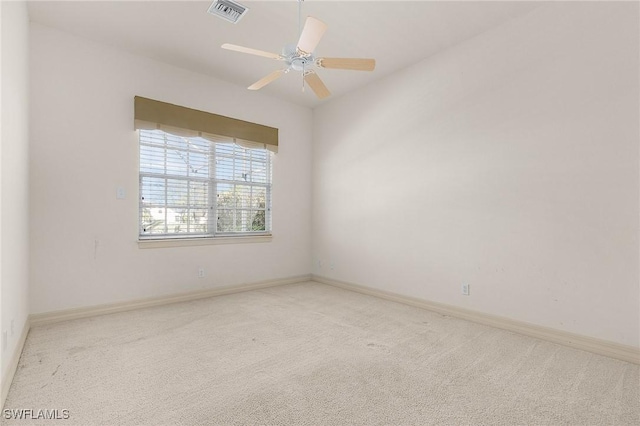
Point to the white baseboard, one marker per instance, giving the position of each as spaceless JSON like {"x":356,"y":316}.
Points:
{"x":597,"y":346}
{"x":576,"y":341}
{"x":91,"y":311}
{"x":13,"y":363}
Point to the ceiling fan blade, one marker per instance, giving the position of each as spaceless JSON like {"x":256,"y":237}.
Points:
{"x":356,"y":64}
{"x":251,"y":51}
{"x":311,"y":35}
{"x":266,"y":80}
{"x":318,"y":87}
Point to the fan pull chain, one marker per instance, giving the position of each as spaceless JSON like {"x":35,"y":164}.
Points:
{"x":303,"y":71}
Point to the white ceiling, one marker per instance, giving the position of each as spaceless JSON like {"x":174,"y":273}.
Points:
{"x":396,"y":33}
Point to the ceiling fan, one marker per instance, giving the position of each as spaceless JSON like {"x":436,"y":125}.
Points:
{"x":300,"y":58}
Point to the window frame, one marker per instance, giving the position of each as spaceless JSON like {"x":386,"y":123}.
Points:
{"x":212,"y":235}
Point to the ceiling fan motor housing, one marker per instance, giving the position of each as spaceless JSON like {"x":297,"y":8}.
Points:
{"x":295,"y":59}
{"x":301,"y":63}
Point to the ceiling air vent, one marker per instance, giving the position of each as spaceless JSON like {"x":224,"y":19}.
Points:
{"x":228,"y":10}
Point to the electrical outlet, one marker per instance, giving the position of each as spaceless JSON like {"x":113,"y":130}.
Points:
{"x":201,"y":272}
{"x":120,"y":193}
{"x":465,"y":289}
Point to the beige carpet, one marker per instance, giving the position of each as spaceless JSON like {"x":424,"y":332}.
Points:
{"x":311,"y":354}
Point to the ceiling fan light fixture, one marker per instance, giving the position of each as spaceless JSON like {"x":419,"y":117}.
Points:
{"x":228,"y":10}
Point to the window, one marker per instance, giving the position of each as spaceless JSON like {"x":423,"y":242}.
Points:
{"x":195,"y":187}
{"x":202,"y":175}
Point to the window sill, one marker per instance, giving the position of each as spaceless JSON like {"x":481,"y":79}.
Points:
{"x":188,"y":242}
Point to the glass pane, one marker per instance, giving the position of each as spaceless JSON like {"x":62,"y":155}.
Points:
{"x":259,"y":198}
{"x":155,"y":137}
{"x":153,"y":220}
{"x":177,"y":194}
{"x":243,"y":196}
{"x":257,"y":221}
{"x":198,"y":164}
{"x":177,"y":162}
{"x":226,"y":197}
{"x":198,"y":220}
{"x":224,"y":168}
{"x":151,"y":159}
{"x":259,"y":172}
{"x":224,"y":149}
{"x":177,"y":141}
{"x":242,"y":170}
{"x":152,"y":191}
{"x":199,"y":145}
{"x":225,"y":221}
{"x":241,"y":153}
{"x":199,"y":194}
{"x":177,"y":220}
{"x":259,"y":155}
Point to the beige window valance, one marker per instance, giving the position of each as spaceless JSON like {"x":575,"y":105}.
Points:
{"x":151,"y":114}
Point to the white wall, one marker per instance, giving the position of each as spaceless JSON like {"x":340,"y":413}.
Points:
{"x":509,"y":162}
{"x":84,"y":147}
{"x":14,"y":175}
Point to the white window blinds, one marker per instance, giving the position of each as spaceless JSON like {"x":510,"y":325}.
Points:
{"x":196,"y":187}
